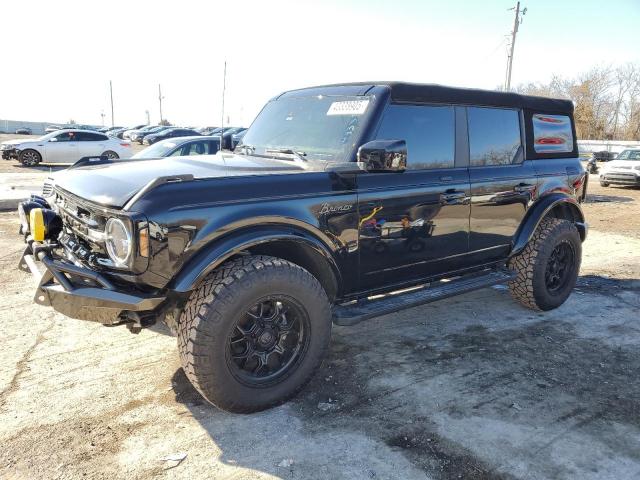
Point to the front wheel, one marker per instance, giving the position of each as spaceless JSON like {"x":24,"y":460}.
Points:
{"x":604,"y":184}
{"x":547,"y":268}
{"x":254,"y":332}
{"x":30,"y":158}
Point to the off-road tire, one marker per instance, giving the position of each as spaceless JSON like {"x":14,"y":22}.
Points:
{"x":30,"y":157}
{"x":529,"y":286}
{"x":211,"y":314}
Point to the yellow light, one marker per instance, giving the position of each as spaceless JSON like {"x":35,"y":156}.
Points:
{"x":144,"y":242}
{"x":36,"y":222}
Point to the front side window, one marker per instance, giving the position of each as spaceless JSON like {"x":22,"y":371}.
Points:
{"x":320,"y":127}
{"x":428,"y":130}
{"x":196,"y":148}
{"x":552,"y":133}
{"x":494,"y":136}
{"x":67,"y":137}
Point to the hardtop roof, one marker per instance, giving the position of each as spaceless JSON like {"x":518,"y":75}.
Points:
{"x":434,"y":93}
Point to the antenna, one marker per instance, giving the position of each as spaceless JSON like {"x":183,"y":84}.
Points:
{"x":224,"y":87}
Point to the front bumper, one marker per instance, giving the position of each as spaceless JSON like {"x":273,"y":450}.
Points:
{"x":9,"y":153}
{"x":81,"y":293}
{"x":620,"y":178}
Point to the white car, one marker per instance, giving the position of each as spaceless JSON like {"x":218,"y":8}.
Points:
{"x":65,"y":146}
{"x":624,"y":170}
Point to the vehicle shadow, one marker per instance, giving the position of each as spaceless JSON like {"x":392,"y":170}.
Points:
{"x":593,"y":198}
{"x":470,"y":387}
{"x":42,"y":167}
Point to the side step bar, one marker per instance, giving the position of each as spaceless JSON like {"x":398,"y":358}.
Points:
{"x":353,"y":313}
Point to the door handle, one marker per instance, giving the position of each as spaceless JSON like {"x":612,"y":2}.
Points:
{"x":446,"y":178}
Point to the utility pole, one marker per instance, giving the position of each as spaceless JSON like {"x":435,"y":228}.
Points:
{"x":160,"y":97}
{"x":111,"y":94}
{"x":517,"y":21}
{"x":224,"y":87}
{"x":102,"y":115}
{"x":148,"y":117}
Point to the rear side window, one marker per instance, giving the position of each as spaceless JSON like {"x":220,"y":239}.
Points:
{"x":91,"y":137}
{"x":494,"y":136}
{"x":429,"y":133}
{"x":552,"y":133}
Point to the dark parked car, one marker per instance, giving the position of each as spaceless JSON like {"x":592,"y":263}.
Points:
{"x":169,"y":133}
{"x":138,"y":136}
{"x":24,"y":131}
{"x":345,"y":202}
{"x":181,"y":146}
{"x":236,"y":138}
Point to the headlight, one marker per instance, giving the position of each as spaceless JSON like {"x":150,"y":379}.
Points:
{"x":118,"y":241}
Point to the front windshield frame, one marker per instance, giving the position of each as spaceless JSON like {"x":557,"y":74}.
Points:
{"x":254,"y":145}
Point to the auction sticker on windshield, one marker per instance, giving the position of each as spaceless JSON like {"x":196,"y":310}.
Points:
{"x":349,"y":107}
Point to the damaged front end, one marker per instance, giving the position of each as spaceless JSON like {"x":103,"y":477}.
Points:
{"x":71,"y":268}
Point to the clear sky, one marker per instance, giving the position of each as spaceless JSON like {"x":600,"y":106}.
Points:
{"x":58,"y":57}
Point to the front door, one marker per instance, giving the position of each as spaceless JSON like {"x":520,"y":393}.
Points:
{"x":414,"y":224}
{"x":64,"y":149}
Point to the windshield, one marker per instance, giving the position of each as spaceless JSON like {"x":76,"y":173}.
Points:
{"x":629,"y":155}
{"x":160,"y":149}
{"x":319,"y":127}
{"x":48,"y":136}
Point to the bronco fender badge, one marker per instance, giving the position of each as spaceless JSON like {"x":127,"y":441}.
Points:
{"x":325,"y":208}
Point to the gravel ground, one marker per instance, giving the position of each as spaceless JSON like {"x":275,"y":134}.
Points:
{"x":474,"y":387}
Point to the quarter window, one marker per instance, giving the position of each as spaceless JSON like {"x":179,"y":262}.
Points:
{"x":428,"y":130}
{"x":552,"y":133}
{"x":494,"y":136}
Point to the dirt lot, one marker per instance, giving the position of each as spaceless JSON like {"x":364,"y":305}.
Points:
{"x":474,"y":387}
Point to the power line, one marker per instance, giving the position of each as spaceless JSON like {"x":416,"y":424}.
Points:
{"x":516,"y":23}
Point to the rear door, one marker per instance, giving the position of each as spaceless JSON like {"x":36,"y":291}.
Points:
{"x":91,"y":144}
{"x":502,"y":182}
{"x":415,"y":224}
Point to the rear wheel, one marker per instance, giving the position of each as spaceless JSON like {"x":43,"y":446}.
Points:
{"x":604,"y":184}
{"x":110,"y":155}
{"x":547,"y":268}
{"x":254,"y":332}
{"x":30,"y":158}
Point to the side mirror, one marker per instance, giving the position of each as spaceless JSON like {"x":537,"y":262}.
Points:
{"x":383,"y":156}
{"x":54,"y":139}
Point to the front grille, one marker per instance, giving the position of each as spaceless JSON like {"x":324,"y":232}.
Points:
{"x":621,"y":177}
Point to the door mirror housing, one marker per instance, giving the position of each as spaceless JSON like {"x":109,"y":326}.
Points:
{"x":383,"y":156}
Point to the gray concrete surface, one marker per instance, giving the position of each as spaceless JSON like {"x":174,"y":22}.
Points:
{"x":474,"y":387}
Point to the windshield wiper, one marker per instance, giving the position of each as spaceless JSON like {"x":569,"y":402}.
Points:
{"x":288,"y":151}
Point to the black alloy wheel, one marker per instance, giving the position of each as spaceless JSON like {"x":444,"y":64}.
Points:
{"x":268,"y":341}
{"x":560,"y":266}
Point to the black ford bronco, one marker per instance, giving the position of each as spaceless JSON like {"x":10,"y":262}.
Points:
{"x":342,"y":203}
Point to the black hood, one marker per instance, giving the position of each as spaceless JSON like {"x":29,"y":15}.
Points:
{"x":115,"y":183}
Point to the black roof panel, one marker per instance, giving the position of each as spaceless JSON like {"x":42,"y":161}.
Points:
{"x":433,"y":93}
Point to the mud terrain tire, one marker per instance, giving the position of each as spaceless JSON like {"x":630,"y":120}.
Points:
{"x":547,"y":268}
{"x":227,"y":306}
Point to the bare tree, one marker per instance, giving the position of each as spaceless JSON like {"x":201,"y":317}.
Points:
{"x":607,"y":101}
